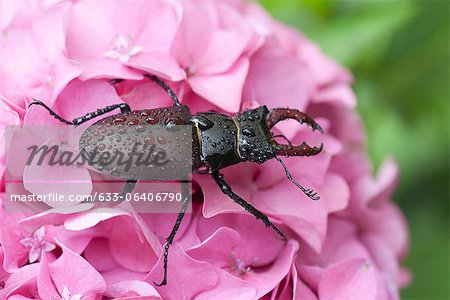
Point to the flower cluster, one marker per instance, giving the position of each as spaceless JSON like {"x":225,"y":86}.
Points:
{"x":227,"y":56}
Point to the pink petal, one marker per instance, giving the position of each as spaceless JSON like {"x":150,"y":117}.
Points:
{"x":217,"y":247}
{"x":306,"y":217}
{"x":132,"y":247}
{"x":53,"y":216}
{"x":121,"y":274}
{"x":359,"y":162}
{"x":98,"y":254}
{"x":21,"y":283}
{"x":147,"y":95}
{"x":335,"y":193}
{"x":92,"y":218}
{"x":223,"y":33}
{"x":224,"y":50}
{"x":384,"y":259}
{"x":340,"y":93}
{"x":263,"y":84}
{"x":7,"y":12}
{"x":180,"y":282}
{"x":129,"y":248}
{"x":46,"y":287}
{"x":90,"y":33}
{"x":229,"y":287}
{"x":354,"y":279}
{"x":386,"y":181}
{"x":269,"y":278}
{"x":82,"y":97}
{"x":159,"y":64}
{"x":34,"y":254}
{"x":256,"y":248}
{"x":303,"y":292}
{"x":341,"y":244}
{"x":75,"y":240}
{"x":195,"y":31}
{"x":132,"y":289}
{"x":3,"y":273}
{"x":223,"y":90}
{"x":322,"y":67}
{"x":239,"y":234}
{"x":35,"y":68}
{"x":161,"y":224}
{"x":77,"y":274}
{"x":15,"y":254}
{"x":306,"y":170}
{"x":9,"y":118}
{"x":239,"y":178}
{"x":389,"y":223}
{"x":45,"y":179}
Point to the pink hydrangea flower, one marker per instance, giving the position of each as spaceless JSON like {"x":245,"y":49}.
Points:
{"x":226,"y":55}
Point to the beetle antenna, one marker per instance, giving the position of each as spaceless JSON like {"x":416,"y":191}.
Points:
{"x":165,"y":87}
{"x":55,"y":115}
{"x":308,"y":192}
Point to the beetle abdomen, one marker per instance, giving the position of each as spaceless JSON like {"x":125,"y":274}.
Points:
{"x":151,"y":144}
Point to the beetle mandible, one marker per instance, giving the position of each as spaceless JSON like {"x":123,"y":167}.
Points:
{"x":247,"y":135}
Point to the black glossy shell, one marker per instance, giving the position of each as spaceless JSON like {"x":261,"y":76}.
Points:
{"x":150,"y":144}
{"x":218,"y":140}
{"x":255,"y":139}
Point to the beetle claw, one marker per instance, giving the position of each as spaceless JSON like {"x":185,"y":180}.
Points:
{"x":279,"y":114}
{"x":311,"y":194}
{"x":164,"y":282}
{"x":302,"y":150}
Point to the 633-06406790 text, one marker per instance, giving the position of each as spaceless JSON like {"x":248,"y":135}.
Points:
{"x":99,"y":197}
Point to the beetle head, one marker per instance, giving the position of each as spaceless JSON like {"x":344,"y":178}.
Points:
{"x":258,"y":144}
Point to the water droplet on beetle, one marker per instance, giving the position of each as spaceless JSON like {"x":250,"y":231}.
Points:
{"x":133,"y":122}
{"x":152,"y":120}
{"x":149,"y":140}
{"x":122,"y":130}
{"x":119,"y":119}
{"x":140,"y":128}
{"x":248,"y":131}
{"x":161,"y":140}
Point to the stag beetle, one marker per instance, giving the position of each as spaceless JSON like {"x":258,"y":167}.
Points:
{"x":218,"y":141}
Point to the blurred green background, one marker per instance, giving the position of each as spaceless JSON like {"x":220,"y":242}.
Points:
{"x":398,"y":52}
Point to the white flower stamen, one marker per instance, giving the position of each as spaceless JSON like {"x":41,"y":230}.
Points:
{"x":65,"y":295}
{"x":122,"y":49}
{"x":37,"y":243}
{"x":237,"y":265}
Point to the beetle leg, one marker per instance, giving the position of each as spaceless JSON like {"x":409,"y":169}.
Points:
{"x":127,"y":188}
{"x":308,"y":192}
{"x":162,"y":84}
{"x":226,"y":189}
{"x":186,"y":199}
{"x":124,"y":108}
